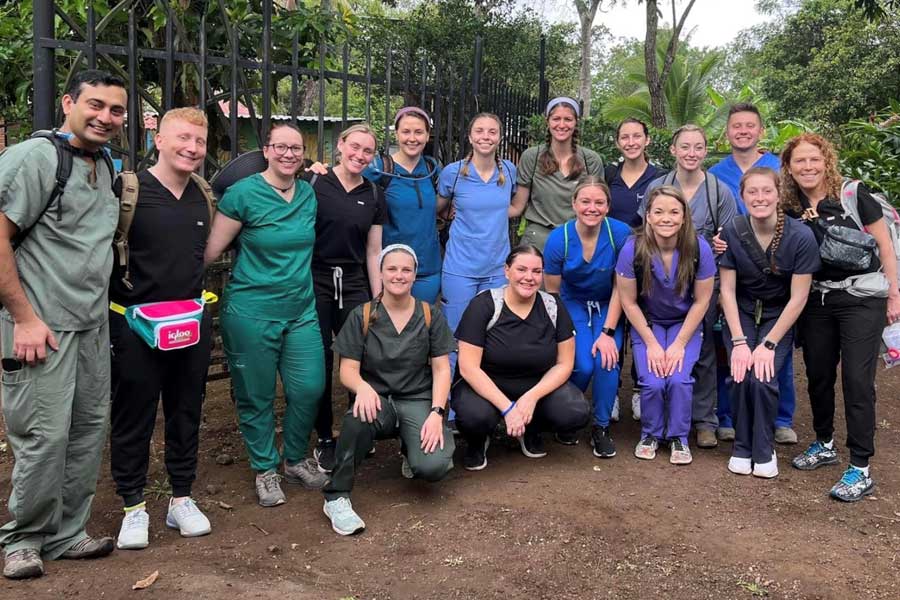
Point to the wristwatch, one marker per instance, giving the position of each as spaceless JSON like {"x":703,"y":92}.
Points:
{"x":609,"y":331}
{"x":769,"y":344}
{"x":440,"y":410}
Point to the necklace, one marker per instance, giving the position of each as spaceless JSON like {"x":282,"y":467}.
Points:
{"x":280,"y":189}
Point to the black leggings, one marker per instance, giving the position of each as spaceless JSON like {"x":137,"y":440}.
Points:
{"x":563,"y":409}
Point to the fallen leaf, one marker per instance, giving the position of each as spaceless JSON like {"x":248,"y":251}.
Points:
{"x":146,"y":582}
{"x":225,"y":505}
{"x":597,"y":468}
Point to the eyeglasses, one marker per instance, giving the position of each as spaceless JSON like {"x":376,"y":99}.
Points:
{"x":281,"y":149}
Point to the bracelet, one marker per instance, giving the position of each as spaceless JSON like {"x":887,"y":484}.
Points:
{"x":508,"y":408}
{"x":739,"y":343}
{"x":739,"y":338}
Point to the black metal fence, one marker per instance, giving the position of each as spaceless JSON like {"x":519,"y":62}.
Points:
{"x":450,"y":92}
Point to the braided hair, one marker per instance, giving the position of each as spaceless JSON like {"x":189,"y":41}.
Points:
{"x":464,"y":169}
{"x":779,"y":223}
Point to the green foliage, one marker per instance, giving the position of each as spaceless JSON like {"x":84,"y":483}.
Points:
{"x":870,"y":151}
{"x":825,"y":63}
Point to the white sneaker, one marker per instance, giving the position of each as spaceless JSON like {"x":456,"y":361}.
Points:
{"x":135,"y":531}
{"x":766,"y":470}
{"x":344,"y":519}
{"x":740,"y":466}
{"x":636,"y":406}
{"x":614,"y":415}
{"x":187,"y":518}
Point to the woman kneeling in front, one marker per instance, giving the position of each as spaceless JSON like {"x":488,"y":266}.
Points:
{"x":516,"y":353}
{"x":385,"y":347}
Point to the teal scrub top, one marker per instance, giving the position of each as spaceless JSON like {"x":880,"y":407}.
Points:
{"x":271,"y":277}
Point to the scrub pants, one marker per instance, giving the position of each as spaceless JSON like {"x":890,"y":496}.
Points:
{"x":755,"y":402}
{"x":427,"y":287}
{"x":840,"y":328}
{"x":256,"y":350}
{"x":332,"y":313}
{"x":562,"y":410}
{"x":705,"y":371}
{"x":588,"y":318}
{"x":56,"y":416}
{"x":456,"y":292}
{"x":666,"y":401}
{"x":396,"y":417}
{"x":140,"y":374}
{"x":787,"y":397}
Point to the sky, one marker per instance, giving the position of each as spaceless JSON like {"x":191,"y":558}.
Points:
{"x":715,"y":22}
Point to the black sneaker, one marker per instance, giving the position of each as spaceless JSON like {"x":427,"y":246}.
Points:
{"x":475,"y":458}
{"x":566,"y":438}
{"x":324,"y":455}
{"x":532,"y":445}
{"x":602,"y":443}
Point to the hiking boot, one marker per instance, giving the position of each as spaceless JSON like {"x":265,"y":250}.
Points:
{"x":614,"y":414}
{"x":23,"y":564}
{"x":817,"y":455}
{"x":646,"y":448}
{"x":602,"y":443}
{"x":405,"y":469}
{"x":681,"y":454}
{"x":344,"y":519}
{"x":785,"y":435}
{"x":740,"y":466}
{"x":566,"y":438}
{"x":187,"y":519}
{"x":89,"y":548}
{"x":725,"y":434}
{"x":306,"y":473}
{"x":475,"y":458}
{"x":766,"y":470}
{"x":532,"y":445}
{"x":706,"y":438}
{"x":636,"y":406}
{"x":324,"y":455}
{"x":134,"y":534}
{"x":268,"y":488}
{"x":853,"y":485}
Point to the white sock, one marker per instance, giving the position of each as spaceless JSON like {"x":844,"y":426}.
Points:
{"x":865,"y":470}
{"x":829,"y":444}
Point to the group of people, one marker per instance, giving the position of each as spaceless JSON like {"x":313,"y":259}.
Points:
{"x":750,"y":257}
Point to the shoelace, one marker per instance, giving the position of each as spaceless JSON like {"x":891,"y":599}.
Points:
{"x":648,"y":441}
{"x":852,"y":476}
{"x":269,"y":481}
{"x":677,"y":446}
{"x":135,"y":519}
{"x":188,"y":507}
{"x":815,"y":448}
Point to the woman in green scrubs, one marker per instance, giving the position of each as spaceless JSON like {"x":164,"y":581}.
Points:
{"x":268,"y":317}
{"x":395,"y":360}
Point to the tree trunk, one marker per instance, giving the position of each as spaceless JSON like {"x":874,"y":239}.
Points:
{"x":586,"y":14}
{"x":654,"y":82}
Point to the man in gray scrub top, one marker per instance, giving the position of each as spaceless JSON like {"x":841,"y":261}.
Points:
{"x":53,"y":327}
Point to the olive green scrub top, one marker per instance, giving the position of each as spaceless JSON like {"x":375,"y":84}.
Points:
{"x":396,"y":364}
{"x":550,"y":197}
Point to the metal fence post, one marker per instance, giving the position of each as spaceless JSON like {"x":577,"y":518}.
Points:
{"x":44,"y":105}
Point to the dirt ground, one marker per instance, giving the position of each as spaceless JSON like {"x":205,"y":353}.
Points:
{"x":567,"y":526}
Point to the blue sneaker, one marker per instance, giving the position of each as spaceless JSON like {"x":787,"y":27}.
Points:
{"x":344,"y":519}
{"x":853,"y":485}
{"x":817,"y":455}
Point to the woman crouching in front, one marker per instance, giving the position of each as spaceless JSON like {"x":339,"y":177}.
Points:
{"x":516,"y":353}
{"x":385,"y":347}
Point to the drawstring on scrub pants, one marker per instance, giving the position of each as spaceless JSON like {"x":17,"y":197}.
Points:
{"x":337,"y":278}
{"x":593,"y":305}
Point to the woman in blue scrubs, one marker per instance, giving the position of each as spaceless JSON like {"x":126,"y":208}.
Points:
{"x":408,"y":178}
{"x":579,"y":263}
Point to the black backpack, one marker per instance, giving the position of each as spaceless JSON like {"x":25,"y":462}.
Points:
{"x":64,"y":156}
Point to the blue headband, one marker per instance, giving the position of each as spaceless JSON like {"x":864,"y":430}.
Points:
{"x":563,"y":100}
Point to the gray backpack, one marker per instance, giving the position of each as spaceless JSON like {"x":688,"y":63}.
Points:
{"x":497,"y":296}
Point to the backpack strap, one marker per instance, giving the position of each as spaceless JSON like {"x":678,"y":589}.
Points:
{"x":850,"y":201}
{"x":208,"y":195}
{"x":434,"y":168}
{"x":751,"y":245}
{"x":669,"y":178}
{"x":610,"y":172}
{"x":387,"y":168}
{"x":426,"y":311}
{"x":714,"y":214}
{"x":367,"y":313}
{"x":128,"y":198}
{"x":497,"y":297}
{"x":312,"y":180}
{"x":550,"y":305}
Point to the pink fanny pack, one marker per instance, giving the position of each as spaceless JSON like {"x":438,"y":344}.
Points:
{"x":169,"y":325}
